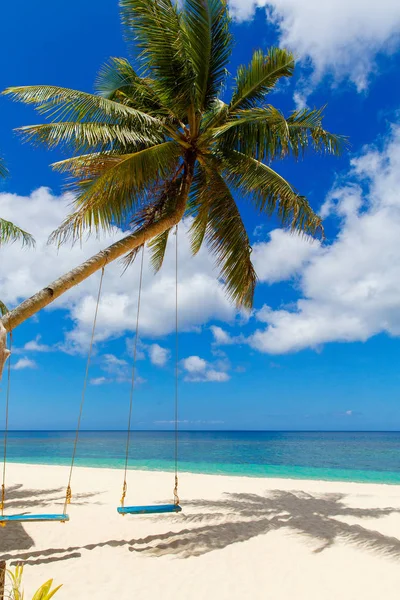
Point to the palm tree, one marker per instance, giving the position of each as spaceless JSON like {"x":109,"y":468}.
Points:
{"x":8,"y":231}
{"x":156,"y":143}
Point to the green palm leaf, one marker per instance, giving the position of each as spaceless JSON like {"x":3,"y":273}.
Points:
{"x":271,"y":193}
{"x":163,"y":203}
{"x":218,"y":221}
{"x":110,"y":186}
{"x":10,"y":233}
{"x":207,"y":27}
{"x":158,"y":247}
{"x":3,"y":309}
{"x":260,"y":77}
{"x":3,"y":169}
{"x":217,"y":112}
{"x":72,"y":105}
{"x":117,"y":80}
{"x":266,"y":134}
{"x":85,"y":136}
{"x":155,"y":29}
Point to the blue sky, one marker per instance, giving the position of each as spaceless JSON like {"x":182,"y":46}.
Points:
{"x":321,"y":349}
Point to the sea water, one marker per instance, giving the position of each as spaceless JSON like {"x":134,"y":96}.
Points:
{"x":346,"y":456}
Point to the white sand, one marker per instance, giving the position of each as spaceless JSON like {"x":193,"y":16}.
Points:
{"x":238,"y":537}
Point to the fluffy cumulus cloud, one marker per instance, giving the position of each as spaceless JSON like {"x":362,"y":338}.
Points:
{"x":37,"y":346}
{"x":159,"y":356}
{"x":351,"y":288}
{"x":220,"y":336}
{"x":116,"y":370}
{"x":283,"y":256}
{"x":199,"y":370}
{"x":24,"y":363}
{"x":340,"y":37}
{"x":23,"y":272}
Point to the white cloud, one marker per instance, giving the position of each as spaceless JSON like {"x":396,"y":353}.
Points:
{"x":283,"y":256}
{"x":99,"y":381}
{"x":24,"y":272}
{"x":194,"y":364}
{"x":199,"y":370}
{"x":140,"y":348}
{"x":24,"y":363}
{"x":118,"y":370}
{"x":351,"y":288}
{"x":340,"y":37}
{"x":36,"y":346}
{"x":159,"y":356}
{"x":213,"y":375}
{"x":221,"y":337}
{"x":258,"y":231}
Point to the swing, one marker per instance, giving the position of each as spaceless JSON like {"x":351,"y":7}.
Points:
{"x":63,"y":517}
{"x":153,"y":508}
{"x":4,"y":519}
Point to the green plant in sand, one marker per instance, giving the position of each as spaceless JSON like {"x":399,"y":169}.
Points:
{"x":15,"y":592}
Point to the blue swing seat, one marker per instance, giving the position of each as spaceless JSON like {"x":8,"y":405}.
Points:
{"x":33,"y":518}
{"x":149,"y":510}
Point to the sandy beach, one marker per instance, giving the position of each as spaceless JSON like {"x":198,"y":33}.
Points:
{"x":236,"y":537}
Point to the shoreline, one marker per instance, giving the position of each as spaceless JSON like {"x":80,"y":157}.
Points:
{"x":294,"y":473}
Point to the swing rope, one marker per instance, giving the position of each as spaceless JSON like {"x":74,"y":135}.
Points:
{"x":125,"y":485}
{"x":68,"y":494}
{"x":128,"y":437}
{"x":3,"y":485}
{"x":176,"y":497}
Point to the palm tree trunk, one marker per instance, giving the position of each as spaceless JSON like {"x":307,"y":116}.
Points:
{"x":61,"y":285}
{"x":4,"y":352}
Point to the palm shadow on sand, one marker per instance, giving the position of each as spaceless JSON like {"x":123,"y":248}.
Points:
{"x":241,"y":517}
{"x":20,"y":501}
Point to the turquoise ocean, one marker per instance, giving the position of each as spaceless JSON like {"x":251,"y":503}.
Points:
{"x":335,"y":456}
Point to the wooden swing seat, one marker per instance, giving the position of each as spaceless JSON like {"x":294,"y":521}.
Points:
{"x":149,"y":510}
{"x":33,"y":518}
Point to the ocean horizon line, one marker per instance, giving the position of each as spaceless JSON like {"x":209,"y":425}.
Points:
{"x":54,"y":430}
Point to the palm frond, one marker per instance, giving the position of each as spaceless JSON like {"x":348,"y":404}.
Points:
{"x":271,"y":193}
{"x":207,"y":27}
{"x":3,"y":309}
{"x":260,"y":77}
{"x":10,"y":233}
{"x":218,"y":221}
{"x":117,"y":80}
{"x":3,"y":169}
{"x":218,"y":112}
{"x":265,"y":134}
{"x":109,"y":187}
{"x":158,"y":247}
{"x":64,"y":104}
{"x":198,"y":209}
{"x":81,"y":137}
{"x":155,"y":29}
{"x":162,"y":200}
{"x":117,"y":75}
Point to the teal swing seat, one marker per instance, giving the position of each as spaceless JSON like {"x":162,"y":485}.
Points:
{"x":32,"y":518}
{"x":149,"y":510}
